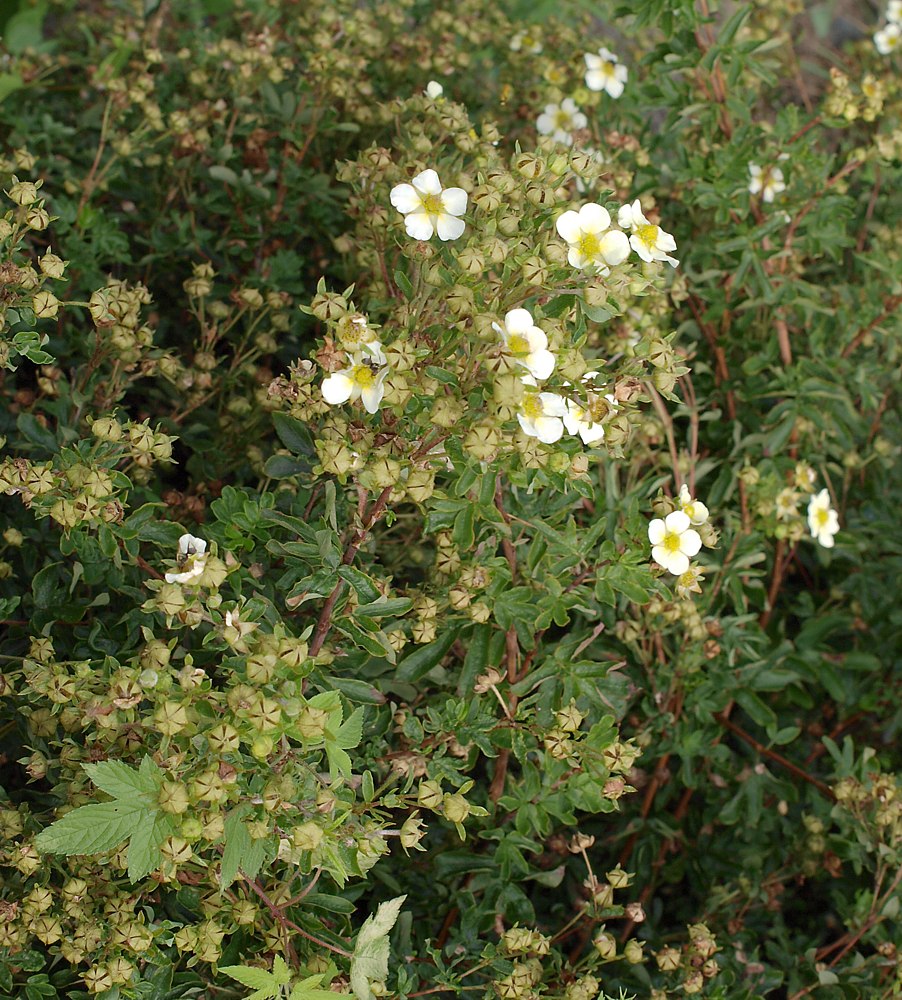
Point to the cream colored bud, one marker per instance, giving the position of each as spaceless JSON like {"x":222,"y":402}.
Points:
{"x":45,"y":304}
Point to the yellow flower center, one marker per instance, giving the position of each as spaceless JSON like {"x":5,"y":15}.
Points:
{"x":532,"y":406}
{"x":607,"y":68}
{"x":822,"y":517}
{"x":432,"y":203}
{"x":671,"y":542}
{"x":648,"y":234}
{"x":363,"y":376}
{"x":589,"y":245}
{"x":518,"y":345}
{"x":562,"y":119}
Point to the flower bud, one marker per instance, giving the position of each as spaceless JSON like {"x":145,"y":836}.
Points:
{"x":23,"y":192}
{"x":37,"y":218}
{"x":529,"y":165}
{"x":605,"y":945}
{"x":311,"y":723}
{"x":633,"y":952}
{"x":45,"y":304}
{"x":455,"y":808}
{"x":429,"y":795}
{"x":668,"y":959}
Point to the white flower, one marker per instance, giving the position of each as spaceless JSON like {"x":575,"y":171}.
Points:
{"x":526,"y":343}
{"x":192,"y":553}
{"x":648,"y":240}
{"x":823,"y":521}
{"x":363,"y":380}
{"x":526,"y":41}
{"x":674,"y":542}
{"x":603,"y":72}
{"x":434,"y":90}
{"x":586,"y":420}
{"x":540,"y":416}
{"x":695,"y":510}
{"x":588,"y":247}
{"x":428,"y":208}
{"x":768,"y":182}
{"x":787,"y":504}
{"x":887,"y":39}
{"x":894,"y":11}
{"x":561,"y":120}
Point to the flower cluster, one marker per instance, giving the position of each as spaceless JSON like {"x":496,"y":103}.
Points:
{"x":675,"y":540}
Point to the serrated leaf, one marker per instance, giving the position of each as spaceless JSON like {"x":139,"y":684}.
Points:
{"x":350,"y":731}
{"x":262,"y":982}
{"x":280,"y":971}
{"x":144,"y":845}
{"x":241,"y":852}
{"x":339,"y":761}
{"x":91,"y":829}
{"x":371,"y":950}
{"x":123,"y":782}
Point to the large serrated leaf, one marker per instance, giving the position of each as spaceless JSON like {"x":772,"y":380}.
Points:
{"x":123,"y":782}
{"x":371,"y":951}
{"x":92,"y":829}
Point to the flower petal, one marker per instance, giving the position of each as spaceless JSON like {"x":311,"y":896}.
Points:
{"x":405,"y":198}
{"x":677,"y":563}
{"x":427,"y":182}
{"x":549,"y":429}
{"x":614,"y":247}
{"x":518,"y":321}
{"x":372,"y":396}
{"x":419,"y":225}
{"x":656,"y":531}
{"x":454,"y":201}
{"x":676,"y":521}
{"x":450,"y":227}
{"x":337,"y":388}
{"x":594,"y":218}
{"x":540,"y":364}
{"x":568,"y":227}
{"x":690,"y":542}
{"x":553,"y":405}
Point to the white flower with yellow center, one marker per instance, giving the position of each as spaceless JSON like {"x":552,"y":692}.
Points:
{"x":191,"y":559}
{"x":591,"y":242}
{"x":695,"y":510}
{"x":526,"y":343}
{"x":364,"y":380}
{"x":647,"y":239}
{"x":526,"y":41}
{"x":604,"y":72}
{"x":823,"y":521}
{"x":787,"y":504}
{"x":766,"y":181}
{"x":888,"y":38}
{"x":894,"y":11}
{"x":674,"y":542}
{"x":429,"y":208}
{"x":560,"y":121}
{"x":586,"y":419}
{"x":540,"y":416}
{"x":434,"y":90}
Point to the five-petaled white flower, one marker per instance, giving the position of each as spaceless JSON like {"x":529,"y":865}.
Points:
{"x":192,"y":557}
{"x":647,"y":239}
{"x":541,"y":414}
{"x":590,"y":244}
{"x":674,"y":542}
{"x":823,"y":521}
{"x":586,"y":419}
{"x":560,"y":121}
{"x":434,"y":90}
{"x":428,"y":208}
{"x":894,"y":11}
{"x":526,"y":343}
{"x":526,"y":41}
{"x":604,"y":72}
{"x":695,"y":510}
{"x":766,"y":181}
{"x":887,"y":38}
{"x":364,"y":380}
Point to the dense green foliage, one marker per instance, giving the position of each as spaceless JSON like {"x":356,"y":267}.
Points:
{"x":387,"y":695}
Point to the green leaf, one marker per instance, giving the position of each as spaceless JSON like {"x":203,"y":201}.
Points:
{"x":403,"y":282}
{"x":92,"y":829}
{"x":339,"y":761}
{"x":293,"y":434}
{"x":371,"y":951}
{"x":366,"y":588}
{"x":24,"y":30}
{"x":422,"y":660}
{"x":9,"y":84}
{"x":387,"y":607}
{"x":124,"y":782}
{"x":351,"y":730}
{"x":263,"y":983}
{"x":241,"y":852}
{"x":307,"y":989}
{"x":144,"y":845}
